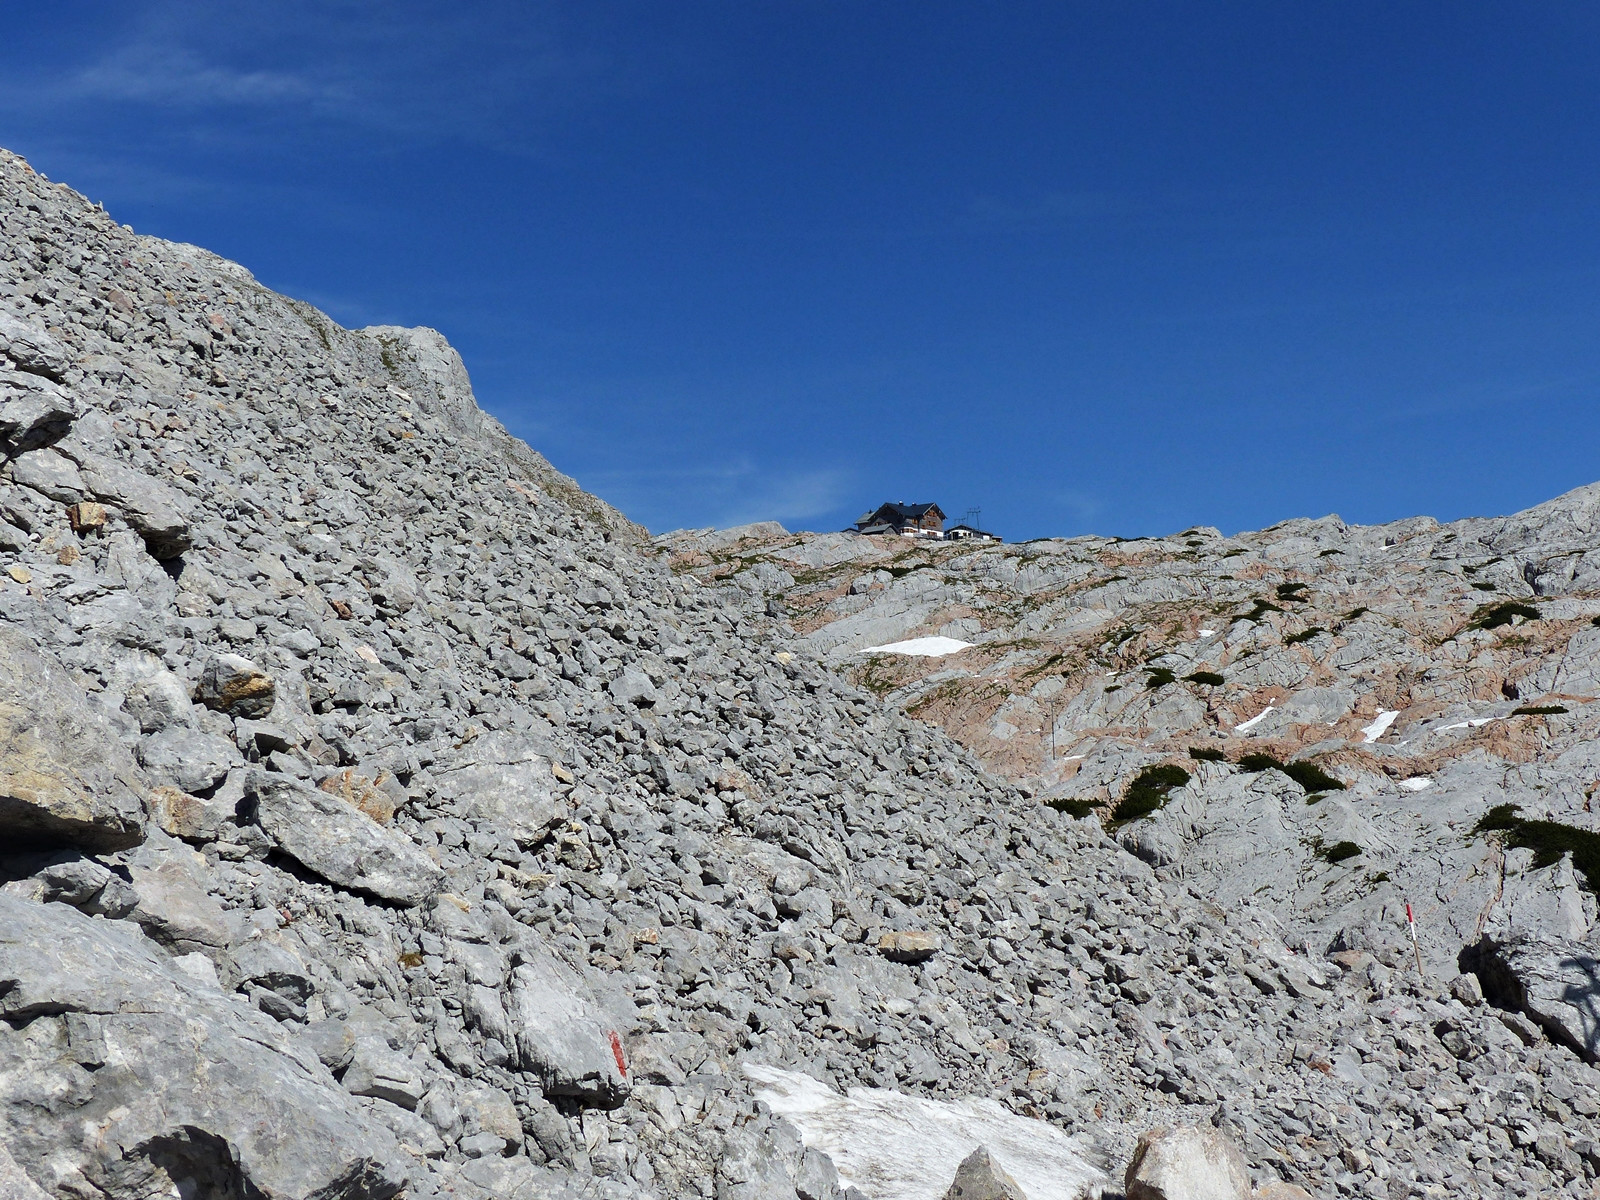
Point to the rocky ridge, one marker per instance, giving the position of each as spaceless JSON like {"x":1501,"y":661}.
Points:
{"x":381,"y":815}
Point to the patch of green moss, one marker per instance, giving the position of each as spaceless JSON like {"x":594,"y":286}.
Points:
{"x":1493,"y":616}
{"x":1148,"y":792}
{"x":1209,"y":678}
{"x":1206,"y":754}
{"x":1538,"y":710}
{"x":1305,"y":635}
{"x":1548,"y":840}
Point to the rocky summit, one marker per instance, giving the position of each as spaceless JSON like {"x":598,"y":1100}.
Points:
{"x":381,"y":815}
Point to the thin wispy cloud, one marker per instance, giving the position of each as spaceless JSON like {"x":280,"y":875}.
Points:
{"x":723,"y":496}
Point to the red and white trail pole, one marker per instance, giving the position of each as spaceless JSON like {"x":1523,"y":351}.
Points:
{"x":1411,"y":923}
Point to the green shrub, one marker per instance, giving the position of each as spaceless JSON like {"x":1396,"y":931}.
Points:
{"x":1484,"y":587}
{"x":1493,"y":616}
{"x":1548,"y":840}
{"x":1291,"y":591}
{"x":1311,"y":777}
{"x":1206,"y":754}
{"x":1338,"y":852}
{"x":1074,"y":808}
{"x":1260,"y":609}
{"x":1305,"y":635}
{"x":1594,"y":621}
{"x":1209,"y":678}
{"x":1148,"y":792}
{"x":1260,"y":762}
{"x":1357,"y":612}
{"x":1159,"y":677}
{"x":1538,"y":710}
{"x":1325,"y":553}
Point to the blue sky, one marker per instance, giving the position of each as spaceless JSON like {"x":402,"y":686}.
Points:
{"x":1111,"y":267}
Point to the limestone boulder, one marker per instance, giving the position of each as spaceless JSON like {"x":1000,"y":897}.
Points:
{"x":121,"y":1076}
{"x":505,"y":781}
{"x":65,"y":778}
{"x":33,"y":412}
{"x":979,"y":1177}
{"x":565,"y":1036}
{"x":1554,"y":981}
{"x":339,"y":842}
{"x":1186,"y":1162}
{"x":233,"y":684}
{"x":32,"y":349}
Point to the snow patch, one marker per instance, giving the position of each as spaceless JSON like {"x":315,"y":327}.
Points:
{"x":898,"y":1147}
{"x":1205,"y":633}
{"x":1255,"y":720}
{"x":926,"y":647}
{"x":1379,"y":727}
{"x":1417,"y":783}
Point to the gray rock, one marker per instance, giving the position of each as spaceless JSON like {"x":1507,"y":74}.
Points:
{"x":564,"y":1036}
{"x":14,"y":1181}
{"x":979,"y":1177}
{"x":375,"y":1070}
{"x":339,"y":842}
{"x":1557,"y":984}
{"x":33,"y":413}
{"x":233,"y":684}
{"x":199,"y":1090}
{"x":32,"y":349}
{"x":1186,"y":1162}
{"x":65,"y":778}
{"x":187,"y":759}
{"x":156,"y":511}
{"x":504,"y":782}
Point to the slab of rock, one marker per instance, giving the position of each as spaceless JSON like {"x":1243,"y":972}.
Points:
{"x":1186,"y":1162}
{"x":115,"y":1066}
{"x":909,"y":945}
{"x":233,"y":684}
{"x":564,"y":1035}
{"x":338,"y":842}
{"x":65,"y":777}
{"x":1555,"y":982}
{"x":32,"y":349}
{"x":33,"y":413}
{"x":979,"y":1177}
{"x":504,"y":781}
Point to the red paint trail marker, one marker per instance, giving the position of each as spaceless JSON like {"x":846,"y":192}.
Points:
{"x":616,"y":1049}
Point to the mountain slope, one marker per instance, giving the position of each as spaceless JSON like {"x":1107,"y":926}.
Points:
{"x":381,"y":813}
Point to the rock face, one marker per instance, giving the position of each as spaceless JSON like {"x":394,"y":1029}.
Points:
{"x":563,"y":866}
